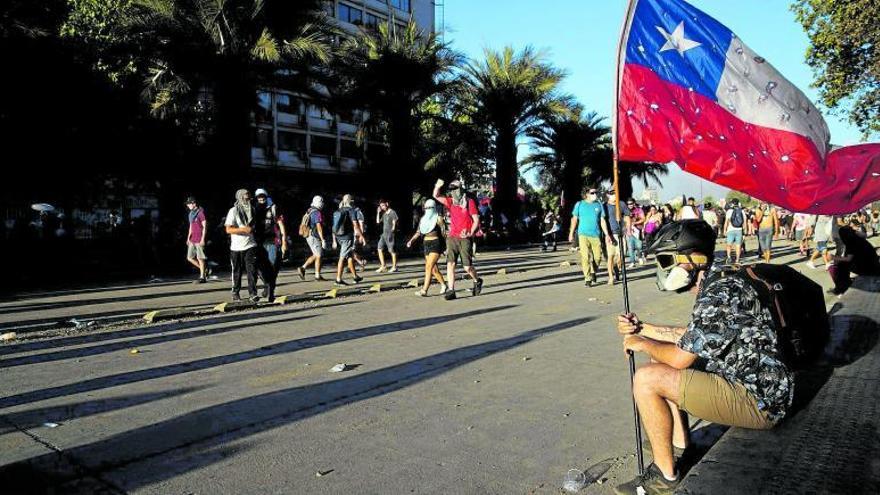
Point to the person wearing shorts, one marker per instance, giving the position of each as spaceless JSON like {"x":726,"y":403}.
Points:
{"x":432,"y":239}
{"x":195,"y":239}
{"x":464,"y":221}
{"x":768,"y":227}
{"x":346,"y":230}
{"x":706,"y":369}
{"x":388,"y":219}
{"x":316,"y":241}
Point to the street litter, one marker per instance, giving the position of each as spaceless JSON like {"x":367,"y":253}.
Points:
{"x":134,"y":351}
{"x":339,"y":368}
{"x":323,"y":473}
{"x":575,"y":481}
{"x":6,"y":337}
{"x":51,"y":425}
{"x":79,"y":325}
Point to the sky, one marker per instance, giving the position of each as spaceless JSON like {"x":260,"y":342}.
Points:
{"x":581,"y":37}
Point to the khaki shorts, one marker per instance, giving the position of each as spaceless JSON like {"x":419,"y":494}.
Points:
{"x":710,"y":397}
{"x":195,"y":252}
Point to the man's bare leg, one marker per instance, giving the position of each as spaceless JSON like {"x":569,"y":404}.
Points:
{"x":680,"y":427}
{"x":450,"y":275}
{"x":654,"y":384}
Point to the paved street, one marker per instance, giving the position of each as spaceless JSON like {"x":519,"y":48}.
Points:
{"x":502,"y":393}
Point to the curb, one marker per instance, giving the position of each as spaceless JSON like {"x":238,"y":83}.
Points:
{"x":167,"y":314}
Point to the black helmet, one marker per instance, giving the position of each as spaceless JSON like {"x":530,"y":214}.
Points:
{"x":684,"y":237}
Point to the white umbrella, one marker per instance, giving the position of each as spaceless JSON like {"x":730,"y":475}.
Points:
{"x":42,"y":207}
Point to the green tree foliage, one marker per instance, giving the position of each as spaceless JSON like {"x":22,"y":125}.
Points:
{"x":565,"y":148}
{"x":744,"y":199}
{"x":395,"y":74}
{"x":508,"y":93}
{"x":844,"y":53}
{"x":603,"y":171}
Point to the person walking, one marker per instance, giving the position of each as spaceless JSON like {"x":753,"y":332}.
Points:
{"x":689,"y":210}
{"x":768,"y":228}
{"x":271,"y":235}
{"x":345,"y":232}
{"x":634,"y":233}
{"x":613,"y":239}
{"x":586,"y":220}
{"x":388,"y":219}
{"x":734,"y":221}
{"x":243,"y":248}
{"x":312,"y":229}
{"x":195,"y":239}
{"x":551,"y":229}
{"x":360,"y":247}
{"x":821,"y":235}
{"x":430,"y":229}
{"x":464,"y":222}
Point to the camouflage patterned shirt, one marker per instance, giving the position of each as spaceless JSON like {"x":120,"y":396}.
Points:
{"x":733,"y":331}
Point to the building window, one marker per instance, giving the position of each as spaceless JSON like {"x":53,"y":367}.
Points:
{"x":400,"y":4}
{"x":288,"y":104}
{"x":262,"y":138}
{"x":350,"y":149}
{"x":323,"y":146}
{"x":263,"y":110}
{"x":291,"y":141}
{"x":350,"y":14}
{"x":373,"y":20}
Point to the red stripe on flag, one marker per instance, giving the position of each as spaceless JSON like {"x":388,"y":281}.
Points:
{"x":662,"y":122}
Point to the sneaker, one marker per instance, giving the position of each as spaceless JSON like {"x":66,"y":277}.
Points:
{"x":320,"y":279}
{"x":443,"y":289}
{"x":811,"y":265}
{"x":339,"y":283}
{"x":254,"y":298}
{"x":631,"y":266}
{"x":358,"y":280}
{"x":450,"y":295}
{"x":208,"y":271}
{"x":236,"y":296}
{"x":478,"y":287}
{"x":381,"y":269}
{"x":302,"y":273}
{"x":422,"y":293}
{"x":651,"y":483}
{"x":393,"y":269}
{"x":200,"y":281}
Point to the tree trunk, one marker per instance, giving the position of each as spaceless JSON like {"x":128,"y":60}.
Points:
{"x":506,"y":174}
{"x":399,"y":180}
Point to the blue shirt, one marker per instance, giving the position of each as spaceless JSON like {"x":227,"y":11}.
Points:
{"x":589,"y":216}
{"x":611,"y":213}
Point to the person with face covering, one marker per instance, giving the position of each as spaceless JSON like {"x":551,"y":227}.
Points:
{"x":243,"y":247}
{"x":732,"y":336}
{"x":430,"y":228}
{"x":464,"y":223}
{"x":313,"y":222}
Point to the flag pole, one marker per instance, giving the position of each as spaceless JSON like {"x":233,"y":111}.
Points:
{"x":622,"y":248}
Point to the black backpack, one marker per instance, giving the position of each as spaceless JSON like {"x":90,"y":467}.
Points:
{"x":736,"y":217}
{"x":796,"y":304}
{"x":342,"y":225}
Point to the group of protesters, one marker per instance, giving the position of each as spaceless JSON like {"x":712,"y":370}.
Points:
{"x":259,"y":240}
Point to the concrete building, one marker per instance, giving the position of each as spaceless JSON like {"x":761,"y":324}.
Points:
{"x":292,"y":135}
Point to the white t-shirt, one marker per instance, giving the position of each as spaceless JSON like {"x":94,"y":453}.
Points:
{"x":688,"y":212}
{"x":729,"y":214}
{"x":238,"y":242}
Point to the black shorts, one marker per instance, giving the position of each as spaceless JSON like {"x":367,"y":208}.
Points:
{"x":434,"y":246}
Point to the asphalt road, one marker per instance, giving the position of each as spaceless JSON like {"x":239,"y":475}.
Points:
{"x":501,"y":393}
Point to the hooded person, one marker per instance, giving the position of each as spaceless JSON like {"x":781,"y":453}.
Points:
{"x":431,"y":230}
{"x":464,"y":221}
{"x":271,"y":235}
{"x":242,"y":245}
{"x":312,"y":229}
{"x":345,"y":231}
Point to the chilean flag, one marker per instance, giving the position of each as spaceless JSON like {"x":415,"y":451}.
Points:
{"x":692,"y":93}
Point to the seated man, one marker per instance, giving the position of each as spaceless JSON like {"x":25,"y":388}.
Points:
{"x":740,"y":380}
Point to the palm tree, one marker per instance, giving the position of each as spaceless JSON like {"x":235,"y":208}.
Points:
{"x":646,"y":172}
{"x":208,"y":58}
{"x":508,"y":93}
{"x":395,"y":74}
{"x":566,"y":148}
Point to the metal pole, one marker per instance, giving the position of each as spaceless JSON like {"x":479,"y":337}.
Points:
{"x":620,"y":237}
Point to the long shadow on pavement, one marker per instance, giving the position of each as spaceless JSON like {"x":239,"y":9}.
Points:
{"x":212,"y":362}
{"x":214,"y":426}
{"x":160,"y":328}
{"x":128,"y":344}
{"x":61,"y":414}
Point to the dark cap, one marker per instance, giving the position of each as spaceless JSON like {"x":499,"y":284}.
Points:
{"x":191,"y":199}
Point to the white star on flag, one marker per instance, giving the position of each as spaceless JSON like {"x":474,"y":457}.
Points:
{"x":676,"y":40}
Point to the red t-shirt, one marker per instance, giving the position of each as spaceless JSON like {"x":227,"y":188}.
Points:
{"x":195,"y":235}
{"x":460,"y":218}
